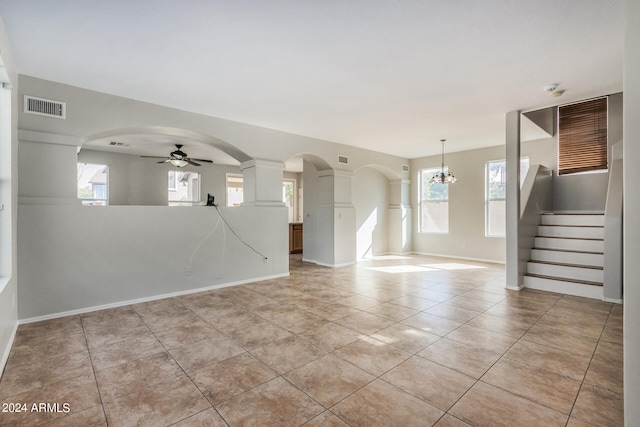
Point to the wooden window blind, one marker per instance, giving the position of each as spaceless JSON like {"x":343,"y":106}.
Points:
{"x":582,"y":136}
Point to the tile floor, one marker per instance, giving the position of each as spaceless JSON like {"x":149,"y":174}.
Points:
{"x":396,"y":341}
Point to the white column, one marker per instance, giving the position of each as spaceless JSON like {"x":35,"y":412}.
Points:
{"x":400,"y":216}
{"x":515,"y":269}
{"x":262,"y":182}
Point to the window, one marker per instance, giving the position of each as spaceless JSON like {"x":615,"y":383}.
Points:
{"x":495,"y":192}
{"x":93,"y":184}
{"x":234,"y":189}
{"x":184,"y":188}
{"x":289,"y":197}
{"x":434,"y":203}
{"x":582,"y":137}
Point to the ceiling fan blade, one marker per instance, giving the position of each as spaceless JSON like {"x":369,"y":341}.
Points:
{"x":203,"y":160}
{"x":191,"y":162}
{"x":164,"y":161}
{"x":155,"y":157}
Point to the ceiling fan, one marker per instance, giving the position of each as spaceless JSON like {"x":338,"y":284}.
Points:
{"x":179,"y":158}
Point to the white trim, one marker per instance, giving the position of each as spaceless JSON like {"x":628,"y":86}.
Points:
{"x":613,"y":300}
{"x":146,"y":299}
{"x":7,"y":351}
{"x":560,"y":286}
{"x":323,"y":264}
{"x":490,"y":261}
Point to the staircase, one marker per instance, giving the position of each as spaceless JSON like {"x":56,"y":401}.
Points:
{"x":567,"y":256}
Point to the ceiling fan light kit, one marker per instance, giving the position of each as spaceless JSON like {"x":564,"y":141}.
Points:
{"x":179,"y":158}
{"x":441,"y":177}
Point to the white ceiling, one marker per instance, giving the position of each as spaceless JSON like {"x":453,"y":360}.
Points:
{"x":391,"y":76}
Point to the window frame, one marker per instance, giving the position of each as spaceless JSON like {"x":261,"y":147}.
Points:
{"x":524,"y":160}
{"x":226,"y":193}
{"x":430,"y":172}
{"x":190,"y":191}
{"x":583,"y":137}
{"x":91,"y":201}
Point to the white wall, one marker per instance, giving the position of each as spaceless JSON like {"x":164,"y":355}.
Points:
{"x":631,"y":149}
{"x":81,"y":257}
{"x":9,"y":198}
{"x":466,"y":237}
{"x":370,"y":190}
{"x":587,"y":191}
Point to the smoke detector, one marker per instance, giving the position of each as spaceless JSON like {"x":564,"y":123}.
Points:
{"x":553,"y":90}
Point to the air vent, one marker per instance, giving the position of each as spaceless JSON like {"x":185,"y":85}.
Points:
{"x":118,"y":144}
{"x":343,"y":159}
{"x":405,"y":168}
{"x":45,"y":107}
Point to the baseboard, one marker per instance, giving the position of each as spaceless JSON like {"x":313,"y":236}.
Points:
{"x":488,"y":261}
{"x":7,"y":350}
{"x":345,"y":264}
{"x":146,"y":299}
{"x":613,"y":300}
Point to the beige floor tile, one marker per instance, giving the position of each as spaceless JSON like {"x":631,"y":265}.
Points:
{"x":363,"y":322}
{"x":521,"y":315}
{"x":599,"y":406}
{"x":108,"y":332}
{"x":468,"y":360}
{"x":431,"y":323}
{"x":452,"y":312}
{"x":359,"y":301}
{"x":609,"y":352}
{"x":450,"y":421}
{"x":545,"y":387}
{"x":612,"y":333}
{"x":230,"y":377}
{"x":432,"y":295}
{"x":258,"y":335}
{"x":30,"y":352}
{"x":273,"y":404}
{"x":552,"y":359}
{"x":80,"y":393}
{"x":606,"y":374}
{"x":574,"y":422}
{"x":572,"y":325}
{"x":486,"y":405}
{"x":221,"y":308}
{"x":125,"y":351}
{"x":484,"y":296}
{"x":43,"y":372}
{"x":287,"y":354}
{"x":405,"y":337}
{"x":330,"y":336}
{"x":124,"y":379}
{"x":571,"y":343}
{"x":195,"y":356}
{"x":392,"y":312}
{"x":207,"y":418}
{"x":381,"y":404}
{"x":326,"y":419}
{"x":414,"y":302}
{"x":163,"y":404}
{"x":274,"y":310}
{"x":332,"y":311}
{"x":232,"y":323}
{"x":299,"y":321}
{"x":584,"y":304}
{"x":329,"y":379}
{"x":92,"y":417}
{"x":429,"y":381}
{"x":61,"y":327}
{"x":471,"y":303}
{"x":187,"y":334}
{"x":482,"y":338}
{"x":510,"y":327}
{"x":372,"y":355}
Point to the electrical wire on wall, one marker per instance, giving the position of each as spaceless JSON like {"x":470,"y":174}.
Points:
{"x":224,"y":241}
{"x":264,"y":257}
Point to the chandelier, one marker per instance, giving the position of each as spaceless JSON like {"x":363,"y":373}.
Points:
{"x":441,"y":178}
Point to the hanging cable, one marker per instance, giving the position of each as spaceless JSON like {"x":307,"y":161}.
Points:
{"x":264,"y":257}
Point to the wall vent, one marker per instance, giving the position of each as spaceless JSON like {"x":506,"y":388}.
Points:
{"x":118,"y":144}
{"x":405,"y":168}
{"x":343,"y":160}
{"x":45,"y":107}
